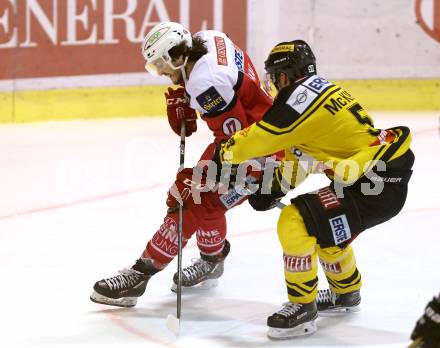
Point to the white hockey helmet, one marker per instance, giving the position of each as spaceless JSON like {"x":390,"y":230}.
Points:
{"x":159,"y":41}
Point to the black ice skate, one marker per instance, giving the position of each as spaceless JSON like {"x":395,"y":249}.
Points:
{"x":294,"y":319}
{"x":123,"y":289}
{"x":204,"y":272}
{"x":330,"y":302}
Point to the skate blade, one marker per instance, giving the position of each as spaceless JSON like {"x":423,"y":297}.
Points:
{"x":300,"y":330}
{"x":119,"y":302}
{"x":339,"y":311}
{"x":203,"y":286}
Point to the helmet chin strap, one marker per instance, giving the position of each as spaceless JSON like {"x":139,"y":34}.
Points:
{"x":183,"y":70}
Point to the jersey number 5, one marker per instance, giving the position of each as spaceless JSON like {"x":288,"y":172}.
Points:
{"x":360,"y":114}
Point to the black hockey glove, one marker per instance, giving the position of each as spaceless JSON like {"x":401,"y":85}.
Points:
{"x":427,"y":330}
{"x":262,"y":200}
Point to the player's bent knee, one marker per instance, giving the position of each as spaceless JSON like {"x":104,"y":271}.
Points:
{"x":291,"y":229}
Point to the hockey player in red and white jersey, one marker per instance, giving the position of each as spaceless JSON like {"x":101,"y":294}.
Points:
{"x":221,"y":84}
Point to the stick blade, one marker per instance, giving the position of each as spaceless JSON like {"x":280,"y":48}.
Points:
{"x":173,"y":324}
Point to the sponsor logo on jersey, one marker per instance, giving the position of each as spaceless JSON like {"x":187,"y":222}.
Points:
{"x":331,"y":267}
{"x":328,"y":198}
{"x":231,"y":198}
{"x":220,"y":46}
{"x":235,"y":195}
{"x":297,"y":263}
{"x":283,"y":48}
{"x":211,"y":100}
{"x":340,"y":228}
{"x":231,"y":125}
{"x":301,"y":98}
{"x":316,"y":83}
{"x":239,"y":59}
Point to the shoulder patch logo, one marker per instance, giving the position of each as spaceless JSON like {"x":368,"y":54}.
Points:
{"x":301,"y":98}
{"x":211,"y":100}
{"x":316,"y":83}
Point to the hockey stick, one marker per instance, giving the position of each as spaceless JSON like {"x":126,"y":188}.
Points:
{"x":173,"y":322}
{"x":280,"y":205}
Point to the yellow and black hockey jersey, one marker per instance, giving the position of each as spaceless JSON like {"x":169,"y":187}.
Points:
{"x":321,"y":128}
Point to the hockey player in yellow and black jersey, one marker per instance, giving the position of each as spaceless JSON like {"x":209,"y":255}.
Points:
{"x":321,"y":128}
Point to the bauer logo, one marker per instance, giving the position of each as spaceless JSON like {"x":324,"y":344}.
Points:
{"x":211,"y":100}
{"x":341,"y":230}
{"x":382,"y":179}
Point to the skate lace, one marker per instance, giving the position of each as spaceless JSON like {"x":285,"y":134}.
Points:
{"x":125,"y":279}
{"x":326,"y":296}
{"x":289,"y":308}
{"x":197,"y":269}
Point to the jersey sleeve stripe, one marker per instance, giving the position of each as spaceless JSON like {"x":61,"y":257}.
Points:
{"x":377,"y":154}
{"x":239,"y":82}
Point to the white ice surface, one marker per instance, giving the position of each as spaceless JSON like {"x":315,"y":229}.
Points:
{"x":79,"y":200}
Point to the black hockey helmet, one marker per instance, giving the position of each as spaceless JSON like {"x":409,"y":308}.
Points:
{"x":294,"y":58}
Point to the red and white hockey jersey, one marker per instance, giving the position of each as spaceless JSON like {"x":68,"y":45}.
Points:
{"x":224,"y":87}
